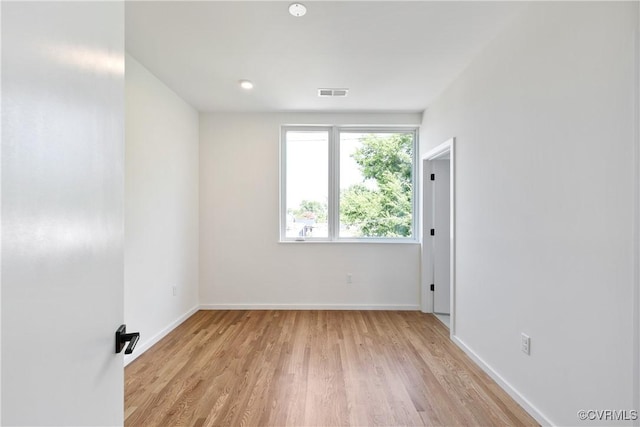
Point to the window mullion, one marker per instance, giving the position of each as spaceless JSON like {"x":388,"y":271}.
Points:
{"x":334,"y":184}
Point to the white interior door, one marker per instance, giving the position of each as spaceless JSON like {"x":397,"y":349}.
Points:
{"x":442,"y":236}
{"x":62,"y":212}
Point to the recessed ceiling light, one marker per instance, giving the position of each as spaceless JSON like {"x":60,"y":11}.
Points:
{"x":297,"y":9}
{"x":246,"y":84}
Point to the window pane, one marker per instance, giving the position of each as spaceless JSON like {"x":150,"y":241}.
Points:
{"x":307,"y":185}
{"x":376,"y":184}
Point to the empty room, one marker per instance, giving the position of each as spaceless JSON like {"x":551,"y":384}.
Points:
{"x":320,"y":213}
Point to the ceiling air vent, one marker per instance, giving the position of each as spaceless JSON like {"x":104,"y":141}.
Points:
{"x":332,"y":92}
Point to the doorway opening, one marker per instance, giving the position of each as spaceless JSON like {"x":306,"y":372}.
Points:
{"x":438,"y":231}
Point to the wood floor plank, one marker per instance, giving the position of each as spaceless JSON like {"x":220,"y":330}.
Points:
{"x":312,"y":368}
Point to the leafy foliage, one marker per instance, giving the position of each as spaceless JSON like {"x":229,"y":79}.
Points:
{"x":311,"y":209}
{"x":385,"y":208}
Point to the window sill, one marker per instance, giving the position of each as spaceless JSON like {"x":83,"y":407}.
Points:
{"x":362,"y":242}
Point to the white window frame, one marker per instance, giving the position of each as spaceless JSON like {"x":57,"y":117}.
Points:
{"x":333,"y":202}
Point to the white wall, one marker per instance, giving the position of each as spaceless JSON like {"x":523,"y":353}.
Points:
{"x":636,"y":372}
{"x":161,"y":207}
{"x":543,"y":121}
{"x":62,"y":212}
{"x":241,"y":262}
{"x":0,"y":220}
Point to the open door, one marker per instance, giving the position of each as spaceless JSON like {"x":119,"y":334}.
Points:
{"x":438,"y":233}
{"x":62,"y":212}
{"x":441,"y":239}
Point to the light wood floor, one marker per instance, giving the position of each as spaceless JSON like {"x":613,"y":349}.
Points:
{"x":312,"y":368}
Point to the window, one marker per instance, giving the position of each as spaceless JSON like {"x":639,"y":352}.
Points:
{"x":307,"y":183}
{"x":347,"y":183}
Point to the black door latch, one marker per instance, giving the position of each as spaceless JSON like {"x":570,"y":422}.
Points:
{"x":122,"y":337}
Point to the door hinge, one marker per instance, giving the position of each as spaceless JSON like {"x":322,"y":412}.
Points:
{"x":432,"y":287}
{"x":433,"y":177}
{"x":433,"y":231}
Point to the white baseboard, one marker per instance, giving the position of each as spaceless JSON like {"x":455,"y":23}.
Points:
{"x":389,"y":307}
{"x":146,"y":345}
{"x":511,"y":391}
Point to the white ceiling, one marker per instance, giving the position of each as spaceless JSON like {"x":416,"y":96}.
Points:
{"x":392,"y":55}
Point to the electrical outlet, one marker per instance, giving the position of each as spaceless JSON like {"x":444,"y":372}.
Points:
{"x":525,"y":344}
{"x":349,"y":278}
{"x":174,"y":290}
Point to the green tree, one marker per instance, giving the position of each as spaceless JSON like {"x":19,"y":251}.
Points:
{"x":383,"y":209}
{"x":311,"y":209}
